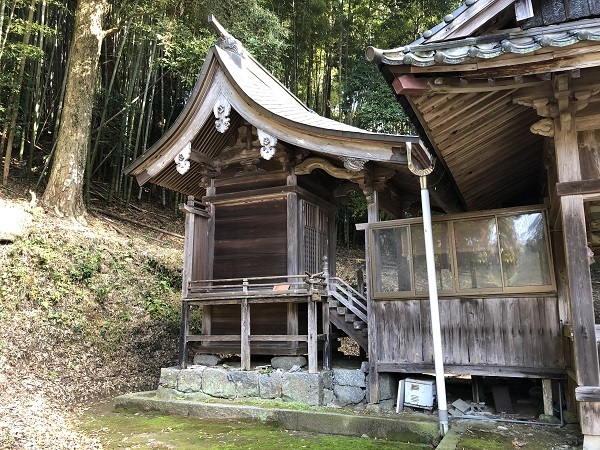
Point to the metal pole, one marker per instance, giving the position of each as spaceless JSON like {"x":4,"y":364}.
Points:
{"x":436,"y":330}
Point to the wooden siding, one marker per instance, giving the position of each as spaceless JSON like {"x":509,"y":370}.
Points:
{"x":512,"y":332}
{"x":251,"y":239}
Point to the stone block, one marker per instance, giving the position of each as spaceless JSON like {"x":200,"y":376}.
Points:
{"x":203,"y":359}
{"x":388,"y":386}
{"x":168,"y":377}
{"x":287,"y":362}
{"x":270,"y":385}
{"x":328,"y":397}
{"x":348,"y":395}
{"x":168,"y":393}
{"x":190,"y":380}
{"x":246,"y":383}
{"x":349,"y":377}
{"x":364,"y":367}
{"x":327,"y":377}
{"x":545,"y":418}
{"x":217,"y":383}
{"x":302,"y":387}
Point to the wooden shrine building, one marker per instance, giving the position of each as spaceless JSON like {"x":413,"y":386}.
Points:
{"x":262,"y":172}
{"x":506,"y":95}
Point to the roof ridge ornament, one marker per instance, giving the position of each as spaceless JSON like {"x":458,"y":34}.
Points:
{"x":226,"y":41}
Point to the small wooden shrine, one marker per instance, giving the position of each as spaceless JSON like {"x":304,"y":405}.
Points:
{"x":262,"y":173}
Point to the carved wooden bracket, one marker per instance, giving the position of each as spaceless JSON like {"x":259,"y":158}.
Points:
{"x":182,"y":160}
{"x":353,"y":164}
{"x":544,"y":127}
{"x":221,"y":110}
{"x":566,"y":103}
{"x":268,"y":143}
{"x":310,"y":164}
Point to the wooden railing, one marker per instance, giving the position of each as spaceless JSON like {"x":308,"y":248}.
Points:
{"x":275,"y":286}
{"x":311,"y":289}
{"x":349,"y":297}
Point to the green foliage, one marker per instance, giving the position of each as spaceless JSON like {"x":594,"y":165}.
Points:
{"x":371,"y":103}
{"x":184,"y":50}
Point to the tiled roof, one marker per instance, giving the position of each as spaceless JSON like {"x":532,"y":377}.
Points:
{"x":490,"y":46}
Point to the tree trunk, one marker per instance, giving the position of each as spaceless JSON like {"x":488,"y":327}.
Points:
{"x":64,"y":192}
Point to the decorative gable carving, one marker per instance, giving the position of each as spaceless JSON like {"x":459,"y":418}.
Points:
{"x":222,"y":109}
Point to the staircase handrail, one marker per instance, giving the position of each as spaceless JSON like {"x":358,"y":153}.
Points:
{"x":356,"y":303}
{"x":351,"y":289}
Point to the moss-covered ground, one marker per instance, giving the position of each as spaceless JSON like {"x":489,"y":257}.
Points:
{"x":127,"y":429}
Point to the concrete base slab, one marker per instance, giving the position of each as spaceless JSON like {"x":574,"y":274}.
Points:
{"x":406,"y":427}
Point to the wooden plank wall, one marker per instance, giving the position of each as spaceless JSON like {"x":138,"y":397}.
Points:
{"x":520,"y":332}
{"x":251,"y":239}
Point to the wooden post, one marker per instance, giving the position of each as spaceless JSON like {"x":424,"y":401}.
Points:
{"x":183,"y":333}
{"x":578,"y":270}
{"x":312,"y":336}
{"x":372,"y":217}
{"x":547,"y":396}
{"x":188,"y":261}
{"x":245,"y":335}
{"x":327,"y":353}
{"x":293,"y":251}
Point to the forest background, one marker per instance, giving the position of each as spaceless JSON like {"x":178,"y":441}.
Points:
{"x":143,"y":59}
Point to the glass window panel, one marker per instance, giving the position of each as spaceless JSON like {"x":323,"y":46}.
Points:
{"x":441,"y":251}
{"x":477,"y":256}
{"x":524,"y":250}
{"x":391,"y":257}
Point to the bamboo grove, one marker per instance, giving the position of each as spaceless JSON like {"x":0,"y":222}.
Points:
{"x":151,"y":52}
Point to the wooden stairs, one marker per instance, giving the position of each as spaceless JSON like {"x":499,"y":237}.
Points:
{"x":348,"y":311}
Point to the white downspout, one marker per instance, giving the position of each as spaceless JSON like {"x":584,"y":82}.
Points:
{"x":436,"y":330}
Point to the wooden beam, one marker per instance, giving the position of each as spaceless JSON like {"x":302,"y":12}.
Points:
{"x":578,"y":187}
{"x":587,"y":394}
{"x":409,"y":85}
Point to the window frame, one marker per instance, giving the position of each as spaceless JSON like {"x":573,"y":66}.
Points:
{"x":450,"y":219}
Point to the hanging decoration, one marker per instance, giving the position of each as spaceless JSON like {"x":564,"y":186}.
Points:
{"x":268,"y":143}
{"x":182,"y":160}
{"x":221,"y":109}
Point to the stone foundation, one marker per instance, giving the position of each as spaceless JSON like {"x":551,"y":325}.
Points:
{"x":333,"y":388}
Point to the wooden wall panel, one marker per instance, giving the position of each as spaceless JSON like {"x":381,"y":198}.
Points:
{"x":264,"y":319}
{"x":251,"y":239}
{"x":515,"y":332}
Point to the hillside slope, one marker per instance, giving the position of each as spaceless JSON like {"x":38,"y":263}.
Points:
{"x":86,"y":311}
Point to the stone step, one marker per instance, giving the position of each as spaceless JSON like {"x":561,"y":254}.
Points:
{"x":359,"y":325}
{"x":341,"y":310}
{"x":350,"y":317}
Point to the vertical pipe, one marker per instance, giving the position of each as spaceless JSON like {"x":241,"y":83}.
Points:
{"x":436,"y":331}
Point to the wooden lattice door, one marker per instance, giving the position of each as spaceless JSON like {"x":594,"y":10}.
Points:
{"x":315,"y":227}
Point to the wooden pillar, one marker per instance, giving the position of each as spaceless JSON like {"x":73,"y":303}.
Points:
{"x":578,"y":270}
{"x":578,"y":275}
{"x":372,"y":217}
{"x":245,"y":335}
{"x":293,"y":251}
{"x":188,"y":260}
{"x":183,"y":333}
{"x":312,"y":336}
{"x":547,"y":396}
{"x":327,"y":352}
